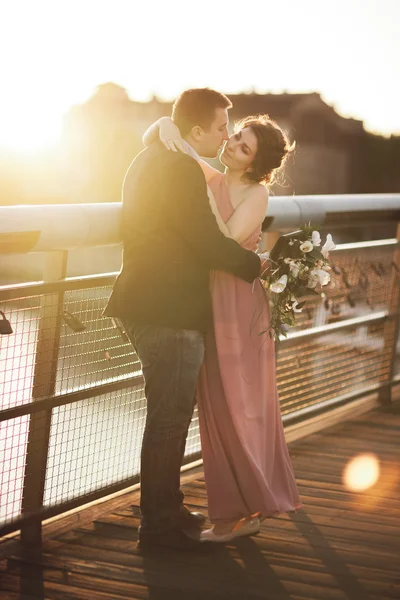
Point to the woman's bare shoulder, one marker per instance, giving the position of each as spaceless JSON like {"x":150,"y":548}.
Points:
{"x":257,"y":193}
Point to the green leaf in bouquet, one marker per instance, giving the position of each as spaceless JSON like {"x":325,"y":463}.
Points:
{"x":310,"y":260}
{"x":313,"y":292}
{"x":316,"y":254}
{"x":300,"y":305}
{"x":303,"y":291}
{"x":288,"y":322}
{"x":295,"y":252}
{"x":284,"y":270}
{"x":307,"y":230}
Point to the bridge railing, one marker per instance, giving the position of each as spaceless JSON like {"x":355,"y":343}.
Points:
{"x":72,"y":407}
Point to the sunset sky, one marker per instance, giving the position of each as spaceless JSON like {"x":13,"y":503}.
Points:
{"x":54,"y":53}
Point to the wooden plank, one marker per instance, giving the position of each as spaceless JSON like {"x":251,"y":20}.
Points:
{"x":380,"y":523}
{"x":309,"y":477}
{"x":117,"y":567}
{"x":7,"y":594}
{"x":53,"y":590}
{"x":152,"y":591}
{"x":167,"y":578}
{"x":119,"y":555}
{"x":274,"y":546}
{"x":348,"y":440}
{"x":88,"y":513}
{"x":329,"y":488}
{"x":341,"y":545}
{"x":273,"y":538}
{"x":315,"y":503}
{"x":321,"y":528}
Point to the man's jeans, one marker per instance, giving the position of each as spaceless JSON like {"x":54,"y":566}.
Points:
{"x":171,"y":361}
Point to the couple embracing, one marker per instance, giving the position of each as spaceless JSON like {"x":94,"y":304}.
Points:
{"x":190,"y":300}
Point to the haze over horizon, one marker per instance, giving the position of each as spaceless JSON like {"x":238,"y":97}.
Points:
{"x":60,"y":52}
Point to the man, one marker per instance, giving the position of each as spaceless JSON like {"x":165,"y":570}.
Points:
{"x":171,"y":242}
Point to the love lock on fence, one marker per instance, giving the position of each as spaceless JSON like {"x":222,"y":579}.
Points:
{"x":72,"y":321}
{"x":5,"y":325}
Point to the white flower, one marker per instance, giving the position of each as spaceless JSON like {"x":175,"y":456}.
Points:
{"x":328,"y":246}
{"x":318,"y":276}
{"x":294,"y":268}
{"x":313,"y":279}
{"x":279,"y":285}
{"x":321,"y":264}
{"x":316,"y":238}
{"x":294,"y":307}
{"x":306,"y":246}
{"x":323,"y":276}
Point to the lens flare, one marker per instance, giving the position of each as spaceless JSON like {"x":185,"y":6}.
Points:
{"x":361,"y":473}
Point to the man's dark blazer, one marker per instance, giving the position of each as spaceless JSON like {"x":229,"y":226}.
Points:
{"x":171,"y":242}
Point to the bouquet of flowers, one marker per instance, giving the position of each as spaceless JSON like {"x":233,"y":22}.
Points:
{"x":298,"y":267}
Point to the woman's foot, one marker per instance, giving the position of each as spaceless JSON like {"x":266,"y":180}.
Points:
{"x":227,"y":532}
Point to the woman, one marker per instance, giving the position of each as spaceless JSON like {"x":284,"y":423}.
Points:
{"x":247,"y":467}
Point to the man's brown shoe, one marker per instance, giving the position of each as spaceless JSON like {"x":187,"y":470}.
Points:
{"x":190,"y":520}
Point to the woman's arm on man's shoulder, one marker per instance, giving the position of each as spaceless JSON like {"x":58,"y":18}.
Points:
{"x":165,"y":130}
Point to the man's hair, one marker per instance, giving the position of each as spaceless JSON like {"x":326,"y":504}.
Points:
{"x":197,"y":107}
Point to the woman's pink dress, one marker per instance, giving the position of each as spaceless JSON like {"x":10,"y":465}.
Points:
{"x":247,"y":466}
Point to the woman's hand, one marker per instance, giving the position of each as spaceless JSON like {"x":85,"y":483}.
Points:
{"x":170,"y":135}
{"x":167,"y":132}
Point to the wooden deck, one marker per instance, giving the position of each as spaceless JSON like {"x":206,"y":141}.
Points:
{"x":342,"y":545}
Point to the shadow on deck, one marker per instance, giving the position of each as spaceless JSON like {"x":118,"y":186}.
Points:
{"x":342,"y":545}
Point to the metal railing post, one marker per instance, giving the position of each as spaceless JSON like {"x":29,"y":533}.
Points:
{"x":44,"y":380}
{"x":392,"y":326}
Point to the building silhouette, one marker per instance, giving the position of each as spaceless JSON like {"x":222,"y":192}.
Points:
{"x":334,"y":155}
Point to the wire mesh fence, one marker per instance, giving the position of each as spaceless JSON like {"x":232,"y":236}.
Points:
{"x":77,"y":384}
{"x":96,"y":355}
{"x":94,"y":443}
{"x":361,"y":283}
{"x":18,"y":351}
{"x":311,"y":371}
{"x":13,"y":446}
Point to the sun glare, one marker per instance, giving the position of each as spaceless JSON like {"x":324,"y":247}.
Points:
{"x":26,"y":135}
{"x":46,"y":74}
{"x":361,"y":473}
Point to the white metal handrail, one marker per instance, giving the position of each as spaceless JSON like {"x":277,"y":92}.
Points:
{"x":69,"y":226}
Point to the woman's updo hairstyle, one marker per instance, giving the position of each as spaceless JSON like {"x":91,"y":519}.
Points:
{"x":272,"y":151}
